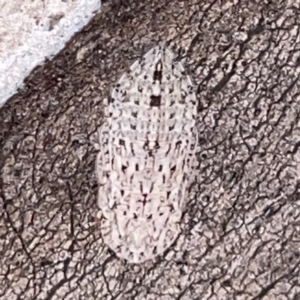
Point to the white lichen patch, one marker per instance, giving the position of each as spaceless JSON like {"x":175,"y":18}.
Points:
{"x":32,"y":30}
{"x":147,"y":154}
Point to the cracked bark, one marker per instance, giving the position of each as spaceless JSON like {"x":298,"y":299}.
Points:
{"x":241,"y":233}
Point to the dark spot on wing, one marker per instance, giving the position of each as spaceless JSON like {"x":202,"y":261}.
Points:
{"x":146,"y":145}
{"x":152,"y":187}
{"x":157,"y":75}
{"x":190,"y":89}
{"x":157,"y":146}
{"x":169,"y":149}
{"x":172,"y":208}
{"x":173,"y":169}
{"x":178,"y":144}
{"x":132,"y":148}
{"x":111,"y":100}
{"x":182,"y":98}
{"x":155,"y":100}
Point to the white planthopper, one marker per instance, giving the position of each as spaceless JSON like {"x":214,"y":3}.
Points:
{"x":147,"y":153}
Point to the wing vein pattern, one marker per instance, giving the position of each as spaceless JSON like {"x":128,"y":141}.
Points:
{"x":147,"y":153}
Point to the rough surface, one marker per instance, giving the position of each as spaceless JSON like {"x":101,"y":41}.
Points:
{"x":147,"y":146}
{"x":241,"y":232}
{"x":33,"y":30}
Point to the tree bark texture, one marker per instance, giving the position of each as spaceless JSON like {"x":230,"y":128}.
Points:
{"x":241,"y":232}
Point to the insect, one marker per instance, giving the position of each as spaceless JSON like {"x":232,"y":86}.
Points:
{"x":147,"y":153}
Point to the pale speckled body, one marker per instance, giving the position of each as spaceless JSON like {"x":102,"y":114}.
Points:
{"x":147,"y":152}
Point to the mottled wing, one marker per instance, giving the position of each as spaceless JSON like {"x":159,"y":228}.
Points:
{"x":147,"y":153}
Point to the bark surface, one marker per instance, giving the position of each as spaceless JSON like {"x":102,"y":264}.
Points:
{"x":241,"y":232}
